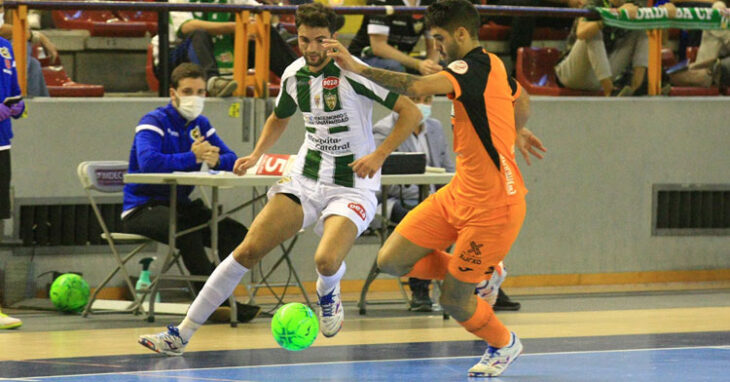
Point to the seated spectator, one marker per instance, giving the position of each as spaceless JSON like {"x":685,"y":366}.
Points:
{"x":597,"y":54}
{"x":35,"y":80}
{"x":712,"y":66}
{"x":11,"y":107}
{"x":206,"y":39}
{"x":387,"y":41}
{"x":172,"y":138}
{"x":428,"y":138}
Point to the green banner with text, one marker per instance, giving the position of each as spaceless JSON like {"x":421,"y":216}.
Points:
{"x":658,"y":18}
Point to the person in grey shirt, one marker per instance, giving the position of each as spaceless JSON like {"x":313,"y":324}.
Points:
{"x":597,"y":54}
{"x":428,"y":138}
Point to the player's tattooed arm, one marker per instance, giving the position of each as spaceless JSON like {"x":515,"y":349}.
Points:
{"x":402,"y":83}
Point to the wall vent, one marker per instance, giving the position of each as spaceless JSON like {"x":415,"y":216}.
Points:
{"x":680,"y":209}
{"x":66,"y":224}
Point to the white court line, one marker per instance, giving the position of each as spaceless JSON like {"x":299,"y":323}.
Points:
{"x":367,"y":361}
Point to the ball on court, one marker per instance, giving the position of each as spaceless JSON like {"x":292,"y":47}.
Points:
{"x":295,"y":326}
{"x":69,"y":293}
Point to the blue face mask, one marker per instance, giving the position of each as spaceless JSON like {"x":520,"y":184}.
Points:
{"x":425,"y":110}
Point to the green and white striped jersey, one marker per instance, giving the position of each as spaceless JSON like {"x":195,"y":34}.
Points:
{"x":337,"y":107}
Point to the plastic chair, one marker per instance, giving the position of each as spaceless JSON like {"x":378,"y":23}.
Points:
{"x":99,"y":23}
{"x":60,"y":85}
{"x":494,"y":32}
{"x":148,"y":18}
{"x":107,"y":177}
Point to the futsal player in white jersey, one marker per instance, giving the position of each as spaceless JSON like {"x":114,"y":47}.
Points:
{"x":332,"y":183}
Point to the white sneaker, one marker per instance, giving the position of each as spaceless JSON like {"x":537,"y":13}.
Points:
{"x":495,"y":361}
{"x":7,"y":322}
{"x":488,"y":290}
{"x":331,"y":313}
{"x":168,"y":343}
{"x":221,"y":87}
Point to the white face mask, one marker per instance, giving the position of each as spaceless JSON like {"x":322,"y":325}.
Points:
{"x":190,"y":107}
{"x":425,"y":111}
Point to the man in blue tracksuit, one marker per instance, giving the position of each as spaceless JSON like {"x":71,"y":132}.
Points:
{"x":12,"y":106}
{"x":172,"y":138}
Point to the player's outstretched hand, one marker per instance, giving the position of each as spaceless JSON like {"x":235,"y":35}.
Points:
{"x":244,"y":163}
{"x":529,"y":143}
{"x":368,"y":165}
{"x":339,"y":53}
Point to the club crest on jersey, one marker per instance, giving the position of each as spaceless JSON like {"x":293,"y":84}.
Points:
{"x":330,"y":83}
{"x":330,"y":100}
{"x":459,"y":66}
{"x":418,"y":26}
{"x":5,"y":53}
{"x":195,"y":133}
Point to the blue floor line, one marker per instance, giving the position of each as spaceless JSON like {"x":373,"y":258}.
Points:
{"x":649,"y":365}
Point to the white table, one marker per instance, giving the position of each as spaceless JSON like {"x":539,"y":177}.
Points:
{"x":216,"y":180}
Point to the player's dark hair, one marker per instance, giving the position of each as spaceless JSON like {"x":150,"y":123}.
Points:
{"x":452,"y":14}
{"x":317,"y":15}
{"x":186,"y":70}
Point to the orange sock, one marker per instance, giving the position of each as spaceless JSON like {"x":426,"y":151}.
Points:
{"x":431,"y":267}
{"x":485,"y":324}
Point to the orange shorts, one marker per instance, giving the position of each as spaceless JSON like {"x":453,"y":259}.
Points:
{"x":481,"y":236}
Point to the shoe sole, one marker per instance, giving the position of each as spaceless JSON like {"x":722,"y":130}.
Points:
{"x":151,"y":345}
{"x":511,"y":307}
{"x":421,"y":308}
{"x":11,"y":326}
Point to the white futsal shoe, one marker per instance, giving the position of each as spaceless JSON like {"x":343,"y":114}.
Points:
{"x":495,"y":361}
{"x":488,"y":290}
{"x":331,"y":312}
{"x":7,"y":322}
{"x":168,"y":343}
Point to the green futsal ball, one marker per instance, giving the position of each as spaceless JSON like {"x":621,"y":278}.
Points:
{"x":69,"y":293}
{"x":294,"y":326}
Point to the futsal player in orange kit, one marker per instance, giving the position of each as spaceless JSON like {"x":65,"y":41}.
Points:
{"x":481,"y":210}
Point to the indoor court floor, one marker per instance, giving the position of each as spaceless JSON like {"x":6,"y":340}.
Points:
{"x":643,"y":336}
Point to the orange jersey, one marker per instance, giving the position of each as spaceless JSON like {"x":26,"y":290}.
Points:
{"x":483,"y":120}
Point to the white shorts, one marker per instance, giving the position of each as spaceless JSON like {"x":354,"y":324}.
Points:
{"x":322,"y":200}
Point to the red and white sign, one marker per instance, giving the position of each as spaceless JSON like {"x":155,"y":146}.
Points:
{"x":358,"y":208}
{"x":274,"y":164}
{"x":330,"y":83}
